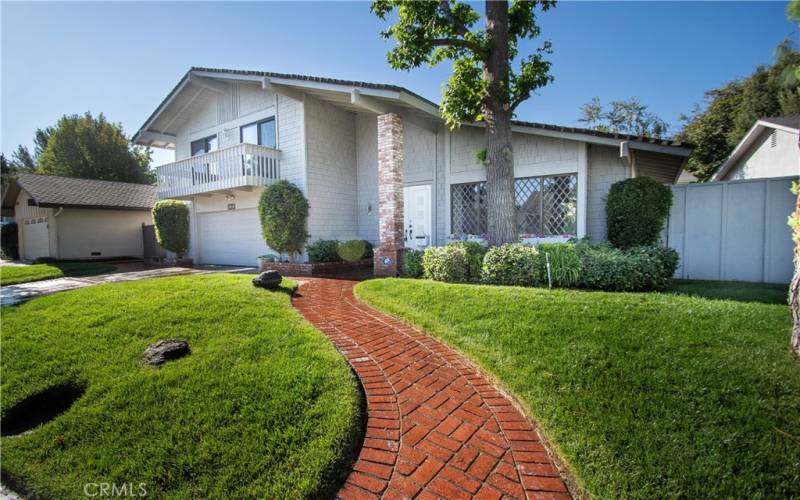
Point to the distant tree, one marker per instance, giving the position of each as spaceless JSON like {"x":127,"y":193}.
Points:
{"x":733,"y":108}
{"x":93,"y":148}
{"x":483,"y":86}
{"x":22,"y":159}
{"x":623,"y":117}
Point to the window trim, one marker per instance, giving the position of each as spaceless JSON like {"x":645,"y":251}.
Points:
{"x":257,"y":124}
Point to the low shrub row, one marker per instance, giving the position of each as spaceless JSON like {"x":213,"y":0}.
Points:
{"x":583,"y":265}
{"x":338,"y":251}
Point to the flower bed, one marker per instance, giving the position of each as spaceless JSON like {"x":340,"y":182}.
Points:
{"x":315,"y":268}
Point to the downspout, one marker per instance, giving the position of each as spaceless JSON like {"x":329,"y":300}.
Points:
{"x":627,"y":156}
{"x":435,"y":194}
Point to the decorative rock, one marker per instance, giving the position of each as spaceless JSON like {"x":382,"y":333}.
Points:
{"x":165,"y":350}
{"x":270,"y":279}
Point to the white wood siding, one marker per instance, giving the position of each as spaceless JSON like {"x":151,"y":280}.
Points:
{"x":769,"y":157}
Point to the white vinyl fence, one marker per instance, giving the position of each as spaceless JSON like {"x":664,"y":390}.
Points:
{"x":733,"y":230}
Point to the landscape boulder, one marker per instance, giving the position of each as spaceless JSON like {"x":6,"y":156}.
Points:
{"x":165,"y":350}
{"x":270,"y":280}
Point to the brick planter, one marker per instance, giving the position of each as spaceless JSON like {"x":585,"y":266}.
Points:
{"x":316,"y":269}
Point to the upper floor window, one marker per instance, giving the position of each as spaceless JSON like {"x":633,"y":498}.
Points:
{"x":544,"y":206}
{"x":261,"y":133}
{"x":204,"y":145}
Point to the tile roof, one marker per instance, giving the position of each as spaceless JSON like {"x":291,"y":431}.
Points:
{"x":52,"y":190}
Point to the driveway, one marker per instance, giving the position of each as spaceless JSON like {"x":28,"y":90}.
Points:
{"x":14,"y":294}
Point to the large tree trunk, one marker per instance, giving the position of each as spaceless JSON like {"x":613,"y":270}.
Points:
{"x":794,"y":288}
{"x":501,"y":218}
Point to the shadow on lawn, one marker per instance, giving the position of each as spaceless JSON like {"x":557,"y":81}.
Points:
{"x":741,"y":291}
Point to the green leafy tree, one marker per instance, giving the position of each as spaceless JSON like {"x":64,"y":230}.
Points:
{"x":283,"y":211}
{"x":793,"y":13}
{"x":484,"y":86}
{"x":93,"y":148}
{"x":22,"y":159}
{"x":623,"y":117}
{"x":733,"y":108}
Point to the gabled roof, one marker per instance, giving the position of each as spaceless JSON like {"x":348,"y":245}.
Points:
{"x":358,"y":95}
{"x":789,"y":124}
{"x":68,"y":192}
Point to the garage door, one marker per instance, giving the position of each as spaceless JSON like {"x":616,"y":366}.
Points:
{"x":230,"y":238}
{"x":35,"y":241}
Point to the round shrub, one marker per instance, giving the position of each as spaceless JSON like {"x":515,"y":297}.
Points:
{"x":171,"y":221}
{"x":9,"y":242}
{"x":352,"y":250}
{"x":448,"y":263}
{"x":511,"y":264}
{"x":412,"y":264}
{"x":283,"y":211}
{"x":636,"y":210}
{"x":475,"y":253}
{"x":323,"y":251}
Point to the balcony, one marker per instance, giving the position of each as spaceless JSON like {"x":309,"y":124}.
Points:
{"x":228,"y":168}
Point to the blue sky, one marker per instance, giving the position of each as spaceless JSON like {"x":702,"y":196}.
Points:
{"x":123,"y":58}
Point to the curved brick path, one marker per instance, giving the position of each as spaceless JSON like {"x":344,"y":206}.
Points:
{"x":436,"y":427}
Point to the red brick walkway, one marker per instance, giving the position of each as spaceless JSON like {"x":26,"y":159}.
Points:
{"x":436,"y":427}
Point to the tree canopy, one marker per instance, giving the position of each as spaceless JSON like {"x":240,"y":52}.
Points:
{"x":733,"y":108}
{"x":623,"y":117}
{"x":93,"y":148}
{"x":489,"y":80}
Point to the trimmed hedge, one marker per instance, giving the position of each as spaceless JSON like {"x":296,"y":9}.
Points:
{"x":636,"y":210}
{"x":642,"y":268}
{"x":337,"y":251}
{"x":323,"y":251}
{"x":475,"y":253}
{"x":412,"y":264}
{"x":171,"y":221}
{"x":448,"y":263}
{"x":512,"y":264}
{"x":283,"y":211}
{"x":9,"y":241}
{"x":352,"y":250}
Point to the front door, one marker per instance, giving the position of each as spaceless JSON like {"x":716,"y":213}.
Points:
{"x":417,"y":214}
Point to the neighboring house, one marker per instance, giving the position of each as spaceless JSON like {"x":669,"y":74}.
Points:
{"x":375,"y":162}
{"x":68,"y":218}
{"x":769,"y":149}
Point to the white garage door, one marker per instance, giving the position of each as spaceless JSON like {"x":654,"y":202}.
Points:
{"x":231,"y":238}
{"x":35,"y":241}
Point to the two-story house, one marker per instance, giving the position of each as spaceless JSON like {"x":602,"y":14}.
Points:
{"x":376,"y":162}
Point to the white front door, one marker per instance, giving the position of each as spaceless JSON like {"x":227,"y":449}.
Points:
{"x":417,"y":214}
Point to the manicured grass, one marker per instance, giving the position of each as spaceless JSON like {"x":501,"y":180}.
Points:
{"x":733,"y":290}
{"x":262,"y":407}
{"x":12,"y":275}
{"x":644,"y":395}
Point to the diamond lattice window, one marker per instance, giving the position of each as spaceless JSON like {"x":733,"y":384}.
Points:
{"x":468,"y":208}
{"x":545,"y":206}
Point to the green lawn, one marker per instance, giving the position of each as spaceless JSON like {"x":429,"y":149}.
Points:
{"x":12,"y":275}
{"x":262,"y":407}
{"x":733,"y":290}
{"x":643,"y":395}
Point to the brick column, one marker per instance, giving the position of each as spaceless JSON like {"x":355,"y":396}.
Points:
{"x":389,"y":253}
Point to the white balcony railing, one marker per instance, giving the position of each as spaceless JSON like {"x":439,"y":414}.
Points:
{"x":235,"y":166}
